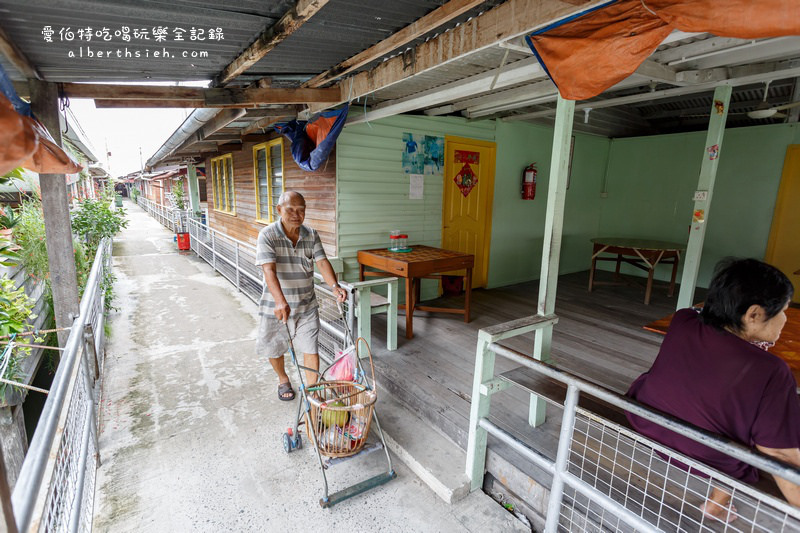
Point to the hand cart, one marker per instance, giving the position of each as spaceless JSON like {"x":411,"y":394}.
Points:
{"x":338,"y":416}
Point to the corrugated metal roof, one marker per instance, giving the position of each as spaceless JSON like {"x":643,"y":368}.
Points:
{"x":341,"y":29}
{"x":25,"y":20}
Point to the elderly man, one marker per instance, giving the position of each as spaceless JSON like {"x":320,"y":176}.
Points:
{"x":287,"y":251}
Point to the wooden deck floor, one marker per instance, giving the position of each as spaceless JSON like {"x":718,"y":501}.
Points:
{"x":599,"y":337}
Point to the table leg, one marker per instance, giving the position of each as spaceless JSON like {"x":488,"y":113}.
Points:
{"x":591,"y":272}
{"x":467,"y":294}
{"x":619,"y":263}
{"x":674,"y":274}
{"x":409,"y":308}
{"x":650,"y":273}
{"x":360,"y":272}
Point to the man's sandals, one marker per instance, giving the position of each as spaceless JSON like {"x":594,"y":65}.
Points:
{"x":285,"y":392}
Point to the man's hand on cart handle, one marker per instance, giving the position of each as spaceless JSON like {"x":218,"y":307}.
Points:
{"x":340,"y":293}
{"x":282,"y":311}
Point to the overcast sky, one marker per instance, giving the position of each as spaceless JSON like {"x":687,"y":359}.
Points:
{"x":124,"y":132}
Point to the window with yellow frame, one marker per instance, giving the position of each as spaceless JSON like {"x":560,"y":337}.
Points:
{"x":268,"y":172}
{"x":222,"y":183}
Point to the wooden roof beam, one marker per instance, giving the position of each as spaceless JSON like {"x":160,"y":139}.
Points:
{"x":16,"y":57}
{"x":151,"y":95}
{"x":421,"y":26}
{"x":228,"y":97}
{"x":265,"y":123}
{"x":270,"y":38}
{"x":504,"y":22}
{"x":102,"y":103}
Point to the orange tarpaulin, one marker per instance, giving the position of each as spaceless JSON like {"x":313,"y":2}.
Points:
{"x":25,"y":142}
{"x":587,"y":55}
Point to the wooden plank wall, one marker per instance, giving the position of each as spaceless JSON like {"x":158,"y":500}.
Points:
{"x":373,"y":190}
{"x":318,"y":188}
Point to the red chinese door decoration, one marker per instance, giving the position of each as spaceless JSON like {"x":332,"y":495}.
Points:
{"x":466,"y":178}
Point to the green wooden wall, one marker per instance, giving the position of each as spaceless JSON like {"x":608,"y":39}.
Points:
{"x":372,"y":190}
{"x":635,"y":187}
{"x":518,"y":225}
{"x":651,"y":181}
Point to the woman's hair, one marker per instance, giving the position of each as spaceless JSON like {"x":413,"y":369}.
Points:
{"x":739,"y":283}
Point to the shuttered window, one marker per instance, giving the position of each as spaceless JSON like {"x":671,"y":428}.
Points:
{"x":222,"y":183}
{"x":268,"y":172}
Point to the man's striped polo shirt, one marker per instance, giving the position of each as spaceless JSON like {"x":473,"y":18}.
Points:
{"x":294,"y":266}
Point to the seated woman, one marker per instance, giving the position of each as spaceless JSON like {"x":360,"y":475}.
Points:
{"x":713,"y":371}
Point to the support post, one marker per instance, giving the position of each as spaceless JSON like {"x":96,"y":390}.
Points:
{"x":479,"y":408}
{"x":705,"y":187}
{"x":55,"y":205}
{"x":551,"y":249}
{"x":238,"y":270}
{"x":391,"y":315}
{"x":364,"y":314}
{"x":194,"y":187}
{"x":562,"y":460}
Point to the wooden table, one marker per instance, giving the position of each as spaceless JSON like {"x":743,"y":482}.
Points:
{"x":421,"y":262}
{"x":641,"y":253}
{"x":787,"y":347}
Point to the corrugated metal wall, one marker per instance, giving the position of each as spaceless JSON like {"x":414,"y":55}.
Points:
{"x":372,"y":190}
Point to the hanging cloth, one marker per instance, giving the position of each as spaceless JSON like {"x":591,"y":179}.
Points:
{"x":313,"y":141}
{"x":24,"y":141}
{"x":591,"y":51}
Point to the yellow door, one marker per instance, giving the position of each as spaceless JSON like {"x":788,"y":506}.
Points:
{"x":783,"y":249}
{"x":467,"y":201}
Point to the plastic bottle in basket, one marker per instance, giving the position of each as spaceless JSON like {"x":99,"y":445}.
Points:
{"x":355,"y":429}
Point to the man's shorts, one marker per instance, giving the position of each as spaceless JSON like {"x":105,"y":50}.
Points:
{"x":272,"y":342}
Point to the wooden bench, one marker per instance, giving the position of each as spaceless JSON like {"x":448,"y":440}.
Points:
{"x":555,"y":392}
{"x":369,"y":303}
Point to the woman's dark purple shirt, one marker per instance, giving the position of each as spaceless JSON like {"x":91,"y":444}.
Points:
{"x":722,"y":383}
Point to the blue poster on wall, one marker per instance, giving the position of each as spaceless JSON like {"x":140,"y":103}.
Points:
{"x":422,"y":154}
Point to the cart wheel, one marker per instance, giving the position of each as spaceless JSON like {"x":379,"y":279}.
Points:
{"x":298,"y":442}
{"x":287,"y":443}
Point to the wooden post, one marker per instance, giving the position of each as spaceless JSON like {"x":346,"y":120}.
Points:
{"x":551,"y":249}
{"x":55,"y":205}
{"x":702,"y":197}
{"x":364,"y":314}
{"x":194,"y":187}
{"x":391,"y":315}
{"x":479,"y":408}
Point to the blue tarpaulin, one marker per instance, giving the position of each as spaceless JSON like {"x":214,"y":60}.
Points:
{"x":312,"y":141}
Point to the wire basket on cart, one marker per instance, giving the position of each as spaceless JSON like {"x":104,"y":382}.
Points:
{"x":340,"y":416}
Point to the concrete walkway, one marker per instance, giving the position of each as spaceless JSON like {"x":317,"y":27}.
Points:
{"x":191,"y":426}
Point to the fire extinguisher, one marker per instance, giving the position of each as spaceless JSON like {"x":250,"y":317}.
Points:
{"x":529,"y":182}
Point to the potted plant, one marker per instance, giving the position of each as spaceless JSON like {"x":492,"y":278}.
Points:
{"x":8,"y":220}
{"x":180,"y":202}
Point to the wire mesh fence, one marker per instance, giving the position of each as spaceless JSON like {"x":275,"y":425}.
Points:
{"x":55,"y":488}
{"x":655,"y":484}
{"x":172,"y":218}
{"x":63,"y":494}
{"x":608,"y":478}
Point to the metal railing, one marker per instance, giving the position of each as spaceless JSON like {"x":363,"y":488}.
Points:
{"x":171,"y":218}
{"x":236,"y":261}
{"x":604,"y":476}
{"x":55,"y":488}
